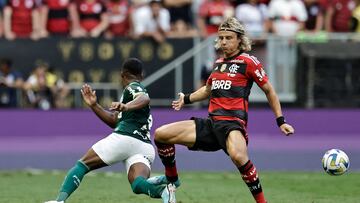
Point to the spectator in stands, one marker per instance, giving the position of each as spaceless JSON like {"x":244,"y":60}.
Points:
{"x":287,"y":16}
{"x":93,"y":17}
{"x":59,"y":17}
{"x":2,"y":4}
{"x":315,"y":12}
{"x":58,"y":88}
{"x":37,"y":90}
{"x":10,"y":82}
{"x":181,"y":18}
{"x":254,"y":17}
{"x":151,"y":20}
{"x":179,"y":10}
{"x":138,"y":3}
{"x":355,"y":22}
{"x":180,"y":29}
{"x":211,"y":14}
{"x":118,"y":12}
{"x":338,"y":15}
{"x":21,"y":19}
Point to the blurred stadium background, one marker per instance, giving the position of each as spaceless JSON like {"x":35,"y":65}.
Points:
{"x":316,"y":73}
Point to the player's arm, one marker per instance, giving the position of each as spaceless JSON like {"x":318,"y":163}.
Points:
{"x":256,"y":72}
{"x":274,"y":103}
{"x":89,"y":96}
{"x":140,"y":100}
{"x":272,"y":98}
{"x":199,"y":95}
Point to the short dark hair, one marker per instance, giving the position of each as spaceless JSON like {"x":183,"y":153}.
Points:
{"x":133,"y":66}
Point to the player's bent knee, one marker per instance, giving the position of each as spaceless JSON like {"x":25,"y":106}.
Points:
{"x":239,"y":158}
{"x":160,"y":134}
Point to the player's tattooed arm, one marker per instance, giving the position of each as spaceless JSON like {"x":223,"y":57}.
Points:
{"x":89,"y":96}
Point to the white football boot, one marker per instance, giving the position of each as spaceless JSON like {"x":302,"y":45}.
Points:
{"x":168,"y":194}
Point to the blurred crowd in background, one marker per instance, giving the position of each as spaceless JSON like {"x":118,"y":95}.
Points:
{"x":156,"y":19}
{"x":43,"y":89}
{"x":161,"y":19}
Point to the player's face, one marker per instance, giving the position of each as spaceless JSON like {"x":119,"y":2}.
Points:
{"x":229,"y":43}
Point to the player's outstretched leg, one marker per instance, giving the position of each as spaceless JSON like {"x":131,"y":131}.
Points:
{"x":251,"y":178}
{"x":72,"y":181}
{"x":167,"y":155}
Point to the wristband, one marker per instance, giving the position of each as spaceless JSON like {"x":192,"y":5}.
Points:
{"x":280,"y":120}
{"x":187,"y":99}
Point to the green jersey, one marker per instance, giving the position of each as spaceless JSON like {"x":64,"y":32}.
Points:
{"x":136,"y":123}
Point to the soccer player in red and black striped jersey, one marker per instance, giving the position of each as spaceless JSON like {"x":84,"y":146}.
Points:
{"x":228,"y":88}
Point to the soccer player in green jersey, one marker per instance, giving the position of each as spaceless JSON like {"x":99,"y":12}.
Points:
{"x":130,"y":141}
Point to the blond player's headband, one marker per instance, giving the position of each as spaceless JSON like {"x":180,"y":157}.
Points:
{"x":241,"y":32}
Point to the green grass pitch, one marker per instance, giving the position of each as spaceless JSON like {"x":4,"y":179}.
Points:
{"x":197,"y":187}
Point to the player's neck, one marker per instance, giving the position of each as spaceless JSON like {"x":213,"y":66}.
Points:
{"x":128,"y":81}
{"x":232,"y":55}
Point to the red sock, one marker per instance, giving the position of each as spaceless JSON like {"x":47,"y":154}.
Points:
{"x":260,"y":198}
{"x":167,"y":155}
{"x":250,"y":177}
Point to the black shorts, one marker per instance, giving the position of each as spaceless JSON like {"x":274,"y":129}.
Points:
{"x":211,"y":135}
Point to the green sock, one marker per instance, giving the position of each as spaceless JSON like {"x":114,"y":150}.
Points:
{"x":141,"y":186}
{"x":72,"y":180}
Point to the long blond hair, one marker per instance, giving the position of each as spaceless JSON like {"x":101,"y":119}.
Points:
{"x":232,"y":24}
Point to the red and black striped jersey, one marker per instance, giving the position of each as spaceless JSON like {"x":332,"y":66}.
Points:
{"x":90,"y":13}
{"x":58,"y":16}
{"x":231,"y":81}
{"x":21,"y":18}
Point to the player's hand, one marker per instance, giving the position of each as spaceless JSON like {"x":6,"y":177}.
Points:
{"x":178,"y":104}
{"x":89,"y":95}
{"x":118,"y":106}
{"x":287,"y":129}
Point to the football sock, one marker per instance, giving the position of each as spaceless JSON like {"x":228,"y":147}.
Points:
{"x":141,"y":186}
{"x":167,"y":155}
{"x":250,"y":177}
{"x":72,"y":180}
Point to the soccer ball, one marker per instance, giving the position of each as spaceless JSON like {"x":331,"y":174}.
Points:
{"x":335,"y":162}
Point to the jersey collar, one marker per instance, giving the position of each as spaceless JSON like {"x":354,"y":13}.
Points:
{"x":233,"y":57}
